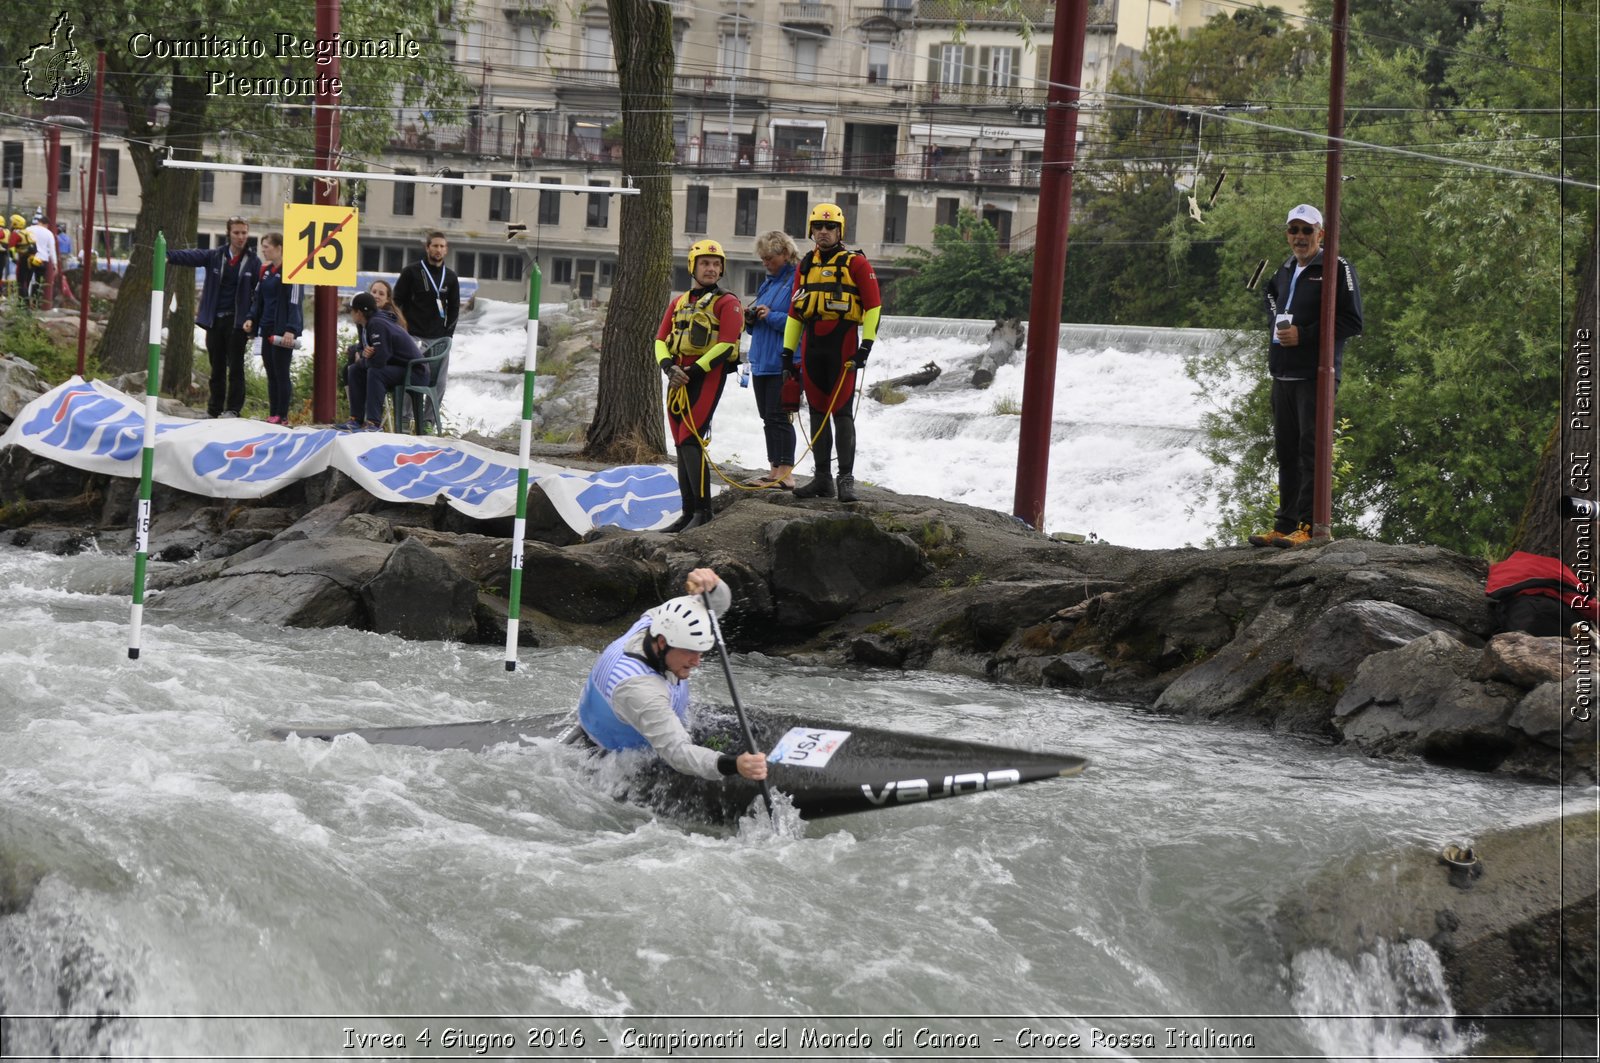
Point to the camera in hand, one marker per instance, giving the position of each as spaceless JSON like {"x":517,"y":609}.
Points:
{"x":750,"y":317}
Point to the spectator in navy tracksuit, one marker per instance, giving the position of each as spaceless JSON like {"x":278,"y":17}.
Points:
{"x":275,"y":315}
{"x":230,"y":287}
{"x":378,"y":366}
{"x":1294,"y":313}
{"x":766,"y":319}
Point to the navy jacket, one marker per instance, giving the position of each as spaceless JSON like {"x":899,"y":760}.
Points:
{"x":389,"y":342}
{"x":1300,"y":361}
{"x":276,"y":307}
{"x":766,"y":335}
{"x":213,"y":260}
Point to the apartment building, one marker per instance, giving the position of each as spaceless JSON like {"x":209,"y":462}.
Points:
{"x":902,"y":111}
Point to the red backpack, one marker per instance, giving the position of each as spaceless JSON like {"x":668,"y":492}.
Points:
{"x":1539,"y":595}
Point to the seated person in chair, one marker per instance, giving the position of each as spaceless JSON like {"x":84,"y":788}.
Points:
{"x":378,"y":366}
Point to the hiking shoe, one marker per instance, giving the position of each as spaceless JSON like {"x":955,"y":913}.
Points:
{"x":819,"y":487}
{"x":1299,"y":537}
{"x":351,"y":425}
{"x":847,"y":489}
{"x":370,"y":427}
{"x":1270,"y":537}
{"x":225,"y":414}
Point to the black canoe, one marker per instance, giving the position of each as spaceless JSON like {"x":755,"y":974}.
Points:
{"x":826,"y":769}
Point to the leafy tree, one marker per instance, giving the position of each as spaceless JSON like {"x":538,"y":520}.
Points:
{"x":170,"y":108}
{"x":965,"y":275}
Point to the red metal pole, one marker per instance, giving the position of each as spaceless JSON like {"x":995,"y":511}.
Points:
{"x":325,"y":354}
{"x":1050,"y":259}
{"x":52,"y":196}
{"x":1322,"y":499}
{"x":88,"y":214}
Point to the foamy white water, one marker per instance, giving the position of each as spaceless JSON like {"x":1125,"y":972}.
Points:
{"x":1125,"y":461}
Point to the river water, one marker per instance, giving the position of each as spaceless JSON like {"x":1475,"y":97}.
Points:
{"x":208,"y":892}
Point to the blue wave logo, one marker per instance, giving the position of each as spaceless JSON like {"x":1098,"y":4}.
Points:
{"x":261,"y":457}
{"x":82,"y":420}
{"x":635,"y":497}
{"x":418,"y":472}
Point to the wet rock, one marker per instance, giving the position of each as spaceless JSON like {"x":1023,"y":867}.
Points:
{"x":586,"y":583}
{"x":1080,"y":671}
{"x":418,"y":595}
{"x":20,"y":384}
{"x":1344,"y":636}
{"x":1522,"y":659}
{"x":302,"y":583}
{"x":823,"y":566}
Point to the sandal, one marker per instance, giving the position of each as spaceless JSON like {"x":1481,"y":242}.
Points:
{"x":765,"y":482}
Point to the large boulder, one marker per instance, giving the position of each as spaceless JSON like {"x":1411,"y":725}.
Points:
{"x":298,"y":583}
{"x":418,"y":595}
{"x":824,"y":566}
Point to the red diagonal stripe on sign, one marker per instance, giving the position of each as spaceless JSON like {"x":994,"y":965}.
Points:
{"x":326,"y":240}
{"x":65,"y":406}
{"x":246,"y":451}
{"x":419,"y":457}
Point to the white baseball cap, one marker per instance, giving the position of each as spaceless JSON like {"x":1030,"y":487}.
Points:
{"x":1305,"y":212}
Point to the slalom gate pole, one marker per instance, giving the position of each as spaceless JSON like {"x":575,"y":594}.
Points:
{"x":738,"y":706}
{"x":519,"y":527}
{"x":147,"y":460}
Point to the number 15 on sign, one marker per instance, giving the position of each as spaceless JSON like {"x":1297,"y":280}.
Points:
{"x":319,"y":244}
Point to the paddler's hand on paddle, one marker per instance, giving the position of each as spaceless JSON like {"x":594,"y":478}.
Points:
{"x":700,"y":581}
{"x":752,"y":766}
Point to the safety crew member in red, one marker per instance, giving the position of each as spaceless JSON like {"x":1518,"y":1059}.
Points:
{"x":696,"y":345}
{"x":833,"y":321}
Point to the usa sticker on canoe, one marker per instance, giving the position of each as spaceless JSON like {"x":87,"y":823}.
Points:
{"x":807,"y":747}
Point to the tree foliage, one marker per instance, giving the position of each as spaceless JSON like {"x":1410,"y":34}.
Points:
{"x":171,"y":109}
{"x":966,"y":274}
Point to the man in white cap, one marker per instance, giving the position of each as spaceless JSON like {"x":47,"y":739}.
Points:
{"x":637,"y":696}
{"x":1294,"y":313}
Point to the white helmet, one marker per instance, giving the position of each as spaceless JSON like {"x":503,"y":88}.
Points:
{"x":685,"y":622}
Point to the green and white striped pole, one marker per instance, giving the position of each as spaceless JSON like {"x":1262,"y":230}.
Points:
{"x":147,"y":461}
{"x":519,"y":527}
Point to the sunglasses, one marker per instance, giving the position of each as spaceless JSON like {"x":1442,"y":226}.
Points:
{"x":1301,"y":230}
{"x":828,"y":225}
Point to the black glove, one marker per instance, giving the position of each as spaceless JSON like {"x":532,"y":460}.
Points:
{"x":694,"y":371}
{"x":862,"y":350}
{"x":667,"y":367}
{"x":788,"y":361}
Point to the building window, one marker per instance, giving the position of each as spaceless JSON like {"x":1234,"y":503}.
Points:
{"x":877,"y":62}
{"x":597,"y":48}
{"x":11,"y":167}
{"x":405,"y":197}
{"x":450,"y":197}
{"x":549,"y":203}
{"x":511,"y":267}
{"x":561,"y":271}
{"x":608,"y":271}
{"x":1001,"y":66}
{"x":466,"y":264}
{"x":752,"y":281}
{"x":945,"y":209}
{"x":733,"y":54}
{"x":745,"y":211}
{"x":113,"y":173}
{"x":952,"y":64}
{"x":850,"y":203}
{"x":64,"y":168}
{"x":807,"y":51}
{"x":500,"y":200}
{"x":394,"y":259}
{"x":894,"y":219}
{"x":696,"y":205}
{"x":488,"y":267}
{"x":796,"y":209}
{"x":249,"y":183}
{"x":599,"y":214}
{"x":208,"y":187}
{"x":371,"y":257}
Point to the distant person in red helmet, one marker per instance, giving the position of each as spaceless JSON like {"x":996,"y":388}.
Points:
{"x":696,"y":346}
{"x":833,"y":322}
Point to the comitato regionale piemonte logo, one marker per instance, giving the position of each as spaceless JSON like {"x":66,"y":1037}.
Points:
{"x":55,"y":68}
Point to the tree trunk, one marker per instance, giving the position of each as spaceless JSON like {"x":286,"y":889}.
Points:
{"x":628,"y":423}
{"x":1568,"y":465}
{"x":169,"y":202}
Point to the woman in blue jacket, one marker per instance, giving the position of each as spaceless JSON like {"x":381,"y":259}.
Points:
{"x":275,"y":315}
{"x":766,"y":318}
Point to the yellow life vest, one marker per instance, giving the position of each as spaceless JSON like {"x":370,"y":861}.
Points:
{"x":827,"y":290}
{"x":695,"y":325}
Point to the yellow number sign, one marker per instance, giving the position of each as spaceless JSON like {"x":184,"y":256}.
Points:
{"x":319,"y":244}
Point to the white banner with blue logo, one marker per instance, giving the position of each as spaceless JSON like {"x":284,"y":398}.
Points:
{"x":92,"y":426}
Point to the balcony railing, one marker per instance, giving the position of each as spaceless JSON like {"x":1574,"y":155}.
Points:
{"x":719,"y":85}
{"x":806,"y":15}
{"x":981,"y":95}
{"x":901,"y":14}
{"x":1102,"y":15}
{"x":570,"y":76}
{"x":1038,"y":12}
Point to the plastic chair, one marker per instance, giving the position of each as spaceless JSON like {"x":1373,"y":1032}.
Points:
{"x":422,"y":385}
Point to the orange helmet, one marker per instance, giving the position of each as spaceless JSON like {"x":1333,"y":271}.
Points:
{"x":828,"y":212}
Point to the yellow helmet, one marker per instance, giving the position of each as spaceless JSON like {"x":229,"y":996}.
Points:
{"x":828,"y":212}
{"x":18,"y":222}
{"x":703,"y":248}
